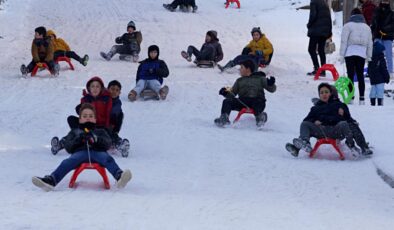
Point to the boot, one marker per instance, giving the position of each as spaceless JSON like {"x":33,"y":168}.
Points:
{"x":132,"y":95}
{"x":186,"y":56}
{"x":313,"y":73}
{"x":380,"y":101}
{"x":84,"y":60}
{"x":222,"y":120}
{"x":195,"y":9}
{"x":169,"y":7}
{"x":56,"y":145}
{"x":353,"y":147}
{"x":229,"y":64}
{"x":24,"y":70}
{"x":261,"y":119}
{"x":163,"y":92}
{"x":302,"y":144}
{"x":373,"y":101}
{"x":56,"y":69}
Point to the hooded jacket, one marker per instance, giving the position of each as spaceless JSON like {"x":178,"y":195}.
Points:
{"x":377,"y":68}
{"x":152,"y":69}
{"x":216,"y":46}
{"x":319,"y":24}
{"x":58,"y":43}
{"x":326,"y":112}
{"x":252,"y":86}
{"x":263,"y":44}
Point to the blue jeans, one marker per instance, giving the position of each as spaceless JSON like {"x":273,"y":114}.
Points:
{"x":147,"y":84}
{"x":377,"y":91}
{"x":388,"y":46}
{"x":77,"y":158}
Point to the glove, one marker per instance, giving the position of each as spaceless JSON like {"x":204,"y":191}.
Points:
{"x":152,"y":71}
{"x":223,"y":92}
{"x":39,"y":65}
{"x":271,"y":81}
{"x":90,"y":137}
{"x":259,"y":53}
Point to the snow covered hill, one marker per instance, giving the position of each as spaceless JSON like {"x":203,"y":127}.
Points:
{"x":187,"y":173}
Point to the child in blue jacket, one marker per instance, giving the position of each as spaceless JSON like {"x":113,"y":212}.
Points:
{"x":378,"y":74}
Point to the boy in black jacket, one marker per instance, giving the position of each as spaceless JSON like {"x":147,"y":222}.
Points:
{"x":130,"y":45}
{"x":86,"y":144}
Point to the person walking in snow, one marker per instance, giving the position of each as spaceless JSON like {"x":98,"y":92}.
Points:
{"x":129,"y":45}
{"x":183,"y":5}
{"x":378,"y":74}
{"x":356,"y":47}
{"x":42,"y":51}
{"x":368,"y":8}
{"x":62,"y":49}
{"x":211,"y":50}
{"x":150,"y":74}
{"x":319,"y":30}
{"x":383,"y":30}
{"x":86,"y":143}
{"x":259,"y":49}
{"x":250,"y":90}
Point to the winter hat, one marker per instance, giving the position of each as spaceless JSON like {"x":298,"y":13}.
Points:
{"x":213,"y":34}
{"x":95,"y":78}
{"x":325,"y":84}
{"x":41,"y":31}
{"x":50,"y":33}
{"x":131,"y":24}
{"x":114,"y":83}
{"x":256,"y":29}
{"x":152,"y":48}
{"x":249,"y":64}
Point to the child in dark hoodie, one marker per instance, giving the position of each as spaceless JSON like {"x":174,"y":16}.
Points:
{"x":211,"y":50}
{"x":378,"y":74}
{"x":150,"y":74}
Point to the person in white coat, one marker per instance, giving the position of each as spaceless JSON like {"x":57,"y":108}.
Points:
{"x":356,"y":47}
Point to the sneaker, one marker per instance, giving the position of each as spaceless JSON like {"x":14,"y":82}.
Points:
{"x":169,"y":7}
{"x":353,"y":148}
{"x":261,"y":119}
{"x":125,"y":57}
{"x":105,"y":56}
{"x":132,"y":95}
{"x":222,"y":120}
{"x":24,"y":70}
{"x":366,"y":152}
{"x":220,"y":67}
{"x":292,"y":149}
{"x":186,"y":56}
{"x":125,"y":177}
{"x":195,"y":9}
{"x":302,"y":144}
{"x":163,"y":92}
{"x":85,"y":60}
{"x":124,"y":147}
{"x":56,"y":145}
{"x":46,"y":183}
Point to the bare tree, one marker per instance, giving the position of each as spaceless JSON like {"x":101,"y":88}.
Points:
{"x":348,"y":6}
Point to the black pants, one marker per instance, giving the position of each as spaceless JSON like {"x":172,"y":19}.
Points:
{"x":176,"y":3}
{"x":32,"y":64}
{"x":130,"y":49}
{"x":318,"y":42}
{"x":69,"y":54}
{"x":355,"y":65}
{"x":207,"y":54}
{"x":255,"y":103}
{"x":358,"y":134}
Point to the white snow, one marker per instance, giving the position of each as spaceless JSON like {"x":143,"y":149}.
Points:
{"x":187,"y":173}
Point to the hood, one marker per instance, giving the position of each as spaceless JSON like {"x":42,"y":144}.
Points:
{"x":213,"y":34}
{"x":152,"y":48}
{"x":95,"y":78}
{"x":50,"y":33}
{"x":378,"y":48}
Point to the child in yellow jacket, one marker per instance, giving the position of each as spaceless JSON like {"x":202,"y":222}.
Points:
{"x":62,"y":49}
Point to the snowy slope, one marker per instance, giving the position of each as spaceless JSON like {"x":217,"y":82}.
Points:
{"x":188,"y":174}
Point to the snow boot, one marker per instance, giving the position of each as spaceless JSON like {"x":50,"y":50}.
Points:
{"x":124,"y":147}
{"x":125,"y":57}
{"x":292,"y":149}
{"x":132,"y":95}
{"x":366,"y":152}
{"x":46,"y":183}
{"x":302,"y":144}
{"x":124,"y":178}
{"x":56,"y":145}
{"x":164,"y":92}
{"x":169,"y":7}
{"x":84,"y":60}
{"x":229,"y":64}
{"x":135,"y":58}
{"x":56,"y":69}
{"x":107,"y":56}
{"x":195,"y":9}
{"x":186,"y":56}
{"x":24,"y":70}
{"x":222,"y":120}
{"x":261,"y":119}
{"x":353,"y":148}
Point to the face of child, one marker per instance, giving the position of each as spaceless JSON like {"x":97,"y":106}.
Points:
{"x":244,"y":71}
{"x":256,"y":36}
{"x":130,"y":30}
{"x":153,"y":54}
{"x":95,"y":88}
{"x":324,"y":94}
{"x":87,"y":115}
{"x":208,"y":38}
{"x":114,"y":90}
{"x":38,"y":36}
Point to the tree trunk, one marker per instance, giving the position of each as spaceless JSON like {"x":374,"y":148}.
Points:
{"x":348,"y":6}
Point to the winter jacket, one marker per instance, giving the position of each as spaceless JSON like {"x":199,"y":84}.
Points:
{"x":42,"y":49}
{"x":263,"y":44}
{"x":319,"y":24}
{"x":116,"y":119}
{"x":75,"y":140}
{"x":58,"y":43}
{"x":326,"y":112}
{"x":356,"y":32}
{"x":377,"y":68}
{"x":103,"y":105}
{"x":383,"y":21}
{"x":158,"y":67}
{"x":215,"y":45}
{"x":368,"y":8}
{"x":134,"y":38}
{"x":252,"y":86}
